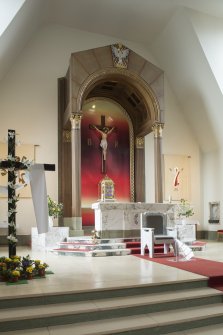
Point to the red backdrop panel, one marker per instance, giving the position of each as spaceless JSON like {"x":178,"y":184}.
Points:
{"x":117,"y":160}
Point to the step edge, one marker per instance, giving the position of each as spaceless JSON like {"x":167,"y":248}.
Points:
{"x":150,"y":318}
{"x":93,"y":308}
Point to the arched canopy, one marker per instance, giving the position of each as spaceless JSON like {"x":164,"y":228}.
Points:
{"x":129,"y":90}
{"x":138,"y":88}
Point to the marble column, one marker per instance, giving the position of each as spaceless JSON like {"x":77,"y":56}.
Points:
{"x":75,"y":222}
{"x":157,"y":130}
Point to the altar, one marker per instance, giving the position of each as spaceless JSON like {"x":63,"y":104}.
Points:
{"x":118,"y":220}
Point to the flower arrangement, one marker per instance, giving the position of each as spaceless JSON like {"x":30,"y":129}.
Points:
{"x":15,"y":273}
{"x":95,"y":236}
{"x":55,"y":209}
{"x":39,"y":265}
{"x":29,"y":269}
{"x":184,"y":209}
{"x":16,"y":267}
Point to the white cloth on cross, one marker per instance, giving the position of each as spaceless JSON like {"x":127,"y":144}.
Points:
{"x":39,"y":195}
{"x":35,"y":175}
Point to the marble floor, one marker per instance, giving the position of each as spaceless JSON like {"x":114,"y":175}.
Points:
{"x":73,"y":273}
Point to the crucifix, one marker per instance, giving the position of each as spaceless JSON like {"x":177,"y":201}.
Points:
{"x":12,"y":165}
{"x":104,"y":131}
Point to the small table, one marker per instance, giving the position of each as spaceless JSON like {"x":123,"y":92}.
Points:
{"x":185,"y":231}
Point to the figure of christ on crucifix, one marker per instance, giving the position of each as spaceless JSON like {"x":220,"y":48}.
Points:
{"x":104,"y":131}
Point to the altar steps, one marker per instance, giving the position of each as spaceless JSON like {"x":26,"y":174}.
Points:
{"x":93,"y":253}
{"x":133,"y":310}
{"x":85,"y":246}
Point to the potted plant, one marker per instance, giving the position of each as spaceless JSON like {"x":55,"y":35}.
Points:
{"x":55,"y":210}
{"x":29,"y":272}
{"x":184,"y":210}
{"x":40,"y":268}
{"x":14,"y":275}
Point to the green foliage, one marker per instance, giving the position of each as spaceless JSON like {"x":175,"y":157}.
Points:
{"x":55,"y":209}
{"x":184,"y":209}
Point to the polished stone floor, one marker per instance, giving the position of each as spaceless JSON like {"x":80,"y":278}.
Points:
{"x":73,"y":273}
{"x":87,"y":273}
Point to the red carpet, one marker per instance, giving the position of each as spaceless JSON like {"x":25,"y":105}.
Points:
{"x":198,"y":243}
{"x":204,"y":267}
{"x":134,"y":246}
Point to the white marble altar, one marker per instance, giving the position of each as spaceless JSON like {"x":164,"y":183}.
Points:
{"x":119,"y":219}
{"x":49,"y":240}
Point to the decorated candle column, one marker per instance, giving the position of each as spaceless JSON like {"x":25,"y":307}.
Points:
{"x":157,"y":130}
{"x":11,"y":196}
{"x":76,"y":221}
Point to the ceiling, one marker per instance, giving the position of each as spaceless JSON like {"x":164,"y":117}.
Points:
{"x":135,"y":20}
{"x":140,"y":21}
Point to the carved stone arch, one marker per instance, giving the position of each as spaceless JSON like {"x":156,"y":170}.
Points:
{"x":129,"y":78}
{"x":138,"y":88}
{"x":97,"y":64}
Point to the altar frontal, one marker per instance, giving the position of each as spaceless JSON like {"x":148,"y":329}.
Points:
{"x":119,"y":219}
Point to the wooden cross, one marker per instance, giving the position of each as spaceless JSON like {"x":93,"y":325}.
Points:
{"x":104,"y":130}
{"x":102,"y":125}
{"x":12,"y":165}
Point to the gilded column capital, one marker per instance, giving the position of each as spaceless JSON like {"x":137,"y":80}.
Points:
{"x":158,"y":129}
{"x":139,"y":141}
{"x":75,"y":120}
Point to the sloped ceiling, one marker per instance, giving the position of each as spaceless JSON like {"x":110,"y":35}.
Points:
{"x":179,"y":52}
{"x":140,"y":21}
{"x":156,"y":24}
{"x":18,"y":33}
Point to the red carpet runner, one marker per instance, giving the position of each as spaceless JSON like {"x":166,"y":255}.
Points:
{"x":204,"y":267}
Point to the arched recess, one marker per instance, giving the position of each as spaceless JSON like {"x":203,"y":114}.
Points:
{"x":119,"y":163}
{"x":150,"y":111}
{"x":137,"y":88}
